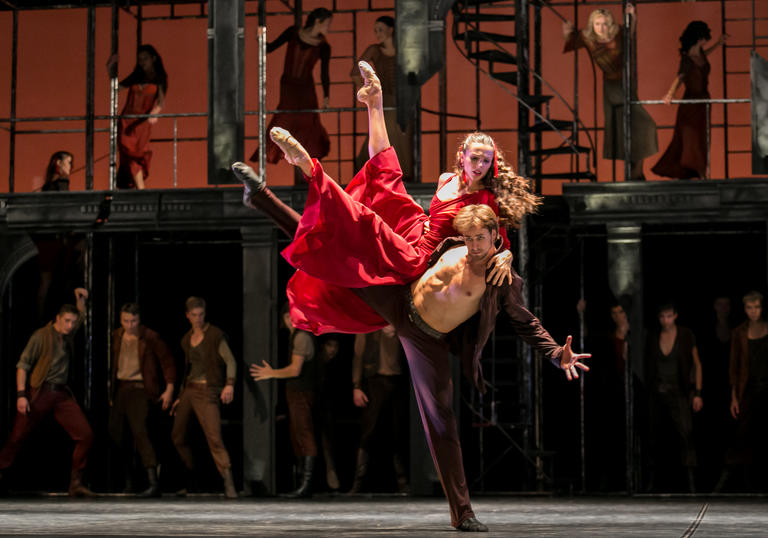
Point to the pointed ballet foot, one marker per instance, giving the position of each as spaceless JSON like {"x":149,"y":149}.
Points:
{"x":251,"y":181}
{"x":370,"y":93}
{"x":292,"y":150}
{"x":472,"y":525}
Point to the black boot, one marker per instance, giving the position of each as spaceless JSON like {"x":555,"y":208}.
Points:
{"x":360,"y":471}
{"x":128,"y":475}
{"x":472,"y":525}
{"x":154,"y":486}
{"x":229,"y":484}
{"x":76,"y":486}
{"x":305,"y":490}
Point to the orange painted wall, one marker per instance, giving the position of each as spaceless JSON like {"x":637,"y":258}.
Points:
{"x":52,"y":67}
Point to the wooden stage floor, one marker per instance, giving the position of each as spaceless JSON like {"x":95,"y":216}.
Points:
{"x":656,"y":517}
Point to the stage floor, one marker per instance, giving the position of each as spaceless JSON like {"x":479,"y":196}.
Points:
{"x":383,"y":516}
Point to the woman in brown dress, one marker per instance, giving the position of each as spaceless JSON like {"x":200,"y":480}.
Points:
{"x":382,"y":56}
{"x":686,"y":156}
{"x":604,"y":40}
{"x":306,"y":46}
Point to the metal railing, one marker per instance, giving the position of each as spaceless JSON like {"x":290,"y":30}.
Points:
{"x":708,"y":103}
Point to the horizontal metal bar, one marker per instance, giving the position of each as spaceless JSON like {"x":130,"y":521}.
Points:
{"x":690,"y":101}
{"x":103,"y":117}
{"x":56,"y":131}
{"x":315,"y":110}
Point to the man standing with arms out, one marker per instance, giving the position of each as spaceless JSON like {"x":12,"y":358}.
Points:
{"x":209,"y":377}
{"x":45,"y":363}
{"x":673,"y":370}
{"x":139,"y":358}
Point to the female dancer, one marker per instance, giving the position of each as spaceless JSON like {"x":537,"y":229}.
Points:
{"x":382,"y":56}
{"x":604,"y":40}
{"x":147,"y":86}
{"x":374,"y":232}
{"x":57,"y":172}
{"x":306,"y":46}
{"x":686,"y":156}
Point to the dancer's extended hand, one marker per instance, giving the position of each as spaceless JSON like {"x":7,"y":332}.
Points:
{"x":359,"y":398}
{"x":501,"y":268}
{"x":569,"y":361}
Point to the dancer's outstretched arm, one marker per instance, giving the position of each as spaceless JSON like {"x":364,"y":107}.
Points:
{"x":370,"y":94}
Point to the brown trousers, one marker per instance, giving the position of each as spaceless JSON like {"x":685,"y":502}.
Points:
{"x":204,"y":402}
{"x":65,"y":410}
{"x":300,"y":421}
{"x":131,"y":406}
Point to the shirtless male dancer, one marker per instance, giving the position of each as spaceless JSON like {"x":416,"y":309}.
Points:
{"x":444,"y":299}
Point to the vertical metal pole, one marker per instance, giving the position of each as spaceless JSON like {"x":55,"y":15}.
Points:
{"x":110,"y":308}
{"x":113,"y":90}
{"x":139,"y":23}
{"x":175,"y":151}
{"x":14,"y":81}
{"x":523,"y":87}
{"x":89,"y":91}
{"x":537,"y":88}
{"x":582,"y":394}
{"x":627,"y":82}
{"x":443,"y":107}
{"x":88,"y":328}
{"x":262,"y":87}
{"x":709,"y":141}
{"x":725,"y":86}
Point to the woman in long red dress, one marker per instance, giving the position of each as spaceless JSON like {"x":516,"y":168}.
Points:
{"x":306,"y":46}
{"x":686,"y":156}
{"x":147,"y":86}
{"x":374,"y":233}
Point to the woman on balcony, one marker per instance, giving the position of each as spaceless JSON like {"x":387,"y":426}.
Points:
{"x":147,"y":85}
{"x":686,"y":156}
{"x":604,"y":40}
{"x":306,"y":46}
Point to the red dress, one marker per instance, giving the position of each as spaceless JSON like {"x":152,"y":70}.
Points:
{"x":686,"y":156}
{"x":297,"y":92}
{"x":134,"y":133}
{"x":371,"y":234}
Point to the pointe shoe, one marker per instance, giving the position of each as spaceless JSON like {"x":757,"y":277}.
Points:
{"x":370,"y":93}
{"x":292,"y":150}
{"x":251,"y":181}
{"x":472,"y":525}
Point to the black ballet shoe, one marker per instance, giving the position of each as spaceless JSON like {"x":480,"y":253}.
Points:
{"x":472,"y":525}
{"x":251,"y":181}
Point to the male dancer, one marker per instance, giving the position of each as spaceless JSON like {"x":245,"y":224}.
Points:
{"x":446,"y":296}
{"x":45,"y":364}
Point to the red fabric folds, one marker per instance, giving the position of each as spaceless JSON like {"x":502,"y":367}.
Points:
{"x":371,"y":234}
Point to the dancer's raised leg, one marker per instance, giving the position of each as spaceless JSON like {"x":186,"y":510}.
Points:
{"x":293,"y":152}
{"x":370,"y":94}
{"x":256,"y":195}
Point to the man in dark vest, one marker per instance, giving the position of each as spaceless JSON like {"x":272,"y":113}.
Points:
{"x":143,"y":373}
{"x":209,"y":378}
{"x":45,"y":363}
{"x":673,"y":371}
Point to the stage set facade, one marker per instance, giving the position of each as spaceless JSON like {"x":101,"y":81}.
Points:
{"x":596,"y":237}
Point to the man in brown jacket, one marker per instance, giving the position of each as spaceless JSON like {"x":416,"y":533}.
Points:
{"x":45,"y":362}
{"x":209,"y":381}
{"x":143,"y":373}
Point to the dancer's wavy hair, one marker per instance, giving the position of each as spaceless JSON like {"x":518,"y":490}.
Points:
{"x":512,"y":192}
{"x":138,"y":76}
{"x":693,"y":32}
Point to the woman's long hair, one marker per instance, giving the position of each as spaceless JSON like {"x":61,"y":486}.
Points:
{"x":51,"y":172}
{"x":317,"y":15}
{"x":693,"y":32}
{"x":512,"y":192}
{"x":589,"y":31}
{"x":138,"y":76}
